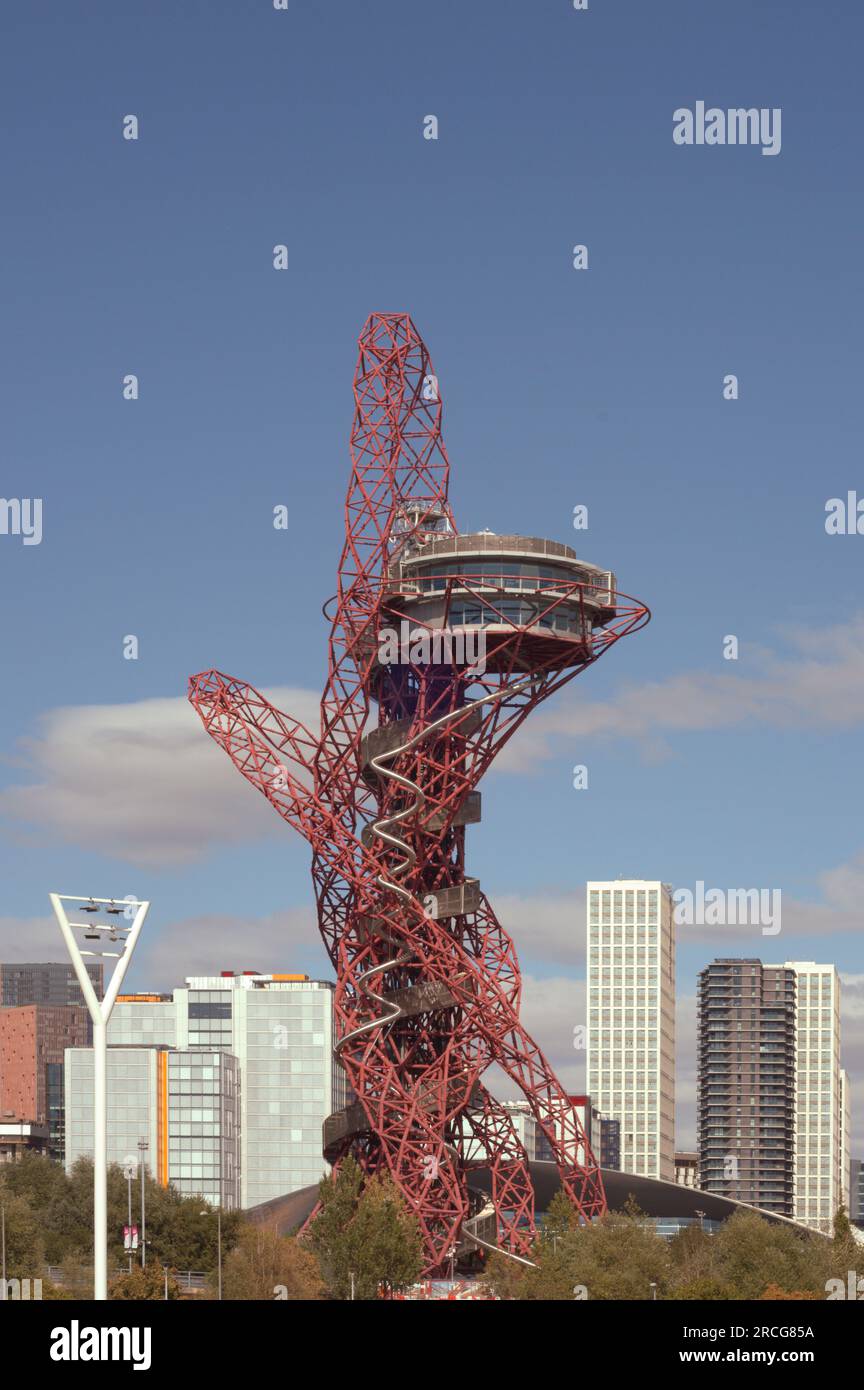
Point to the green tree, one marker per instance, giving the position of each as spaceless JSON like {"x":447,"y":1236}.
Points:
{"x":845,"y":1249}
{"x":751,"y":1253}
{"x":619,"y":1257}
{"x":365,"y":1232}
{"x":54,"y":1293}
{"x":691,"y":1254}
{"x":506,"y":1277}
{"x":339,"y":1197}
{"x":50,"y":1221}
{"x":25,"y":1250}
{"x":182,"y":1231}
{"x":559,"y":1219}
{"x":385,"y":1240}
{"x":558,"y":1275}
{"x":33,"y":1177}
{"x":76,"y":1277}
{"x":774,"y":1293}
{"x":834,"y":1258}
{"x":144,"y":1285}
{"x":69,"y":1218}
{"x":704,"y":1290}
{"x":264,"y":1265}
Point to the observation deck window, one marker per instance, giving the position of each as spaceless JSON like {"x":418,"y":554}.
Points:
{"x":561,"y":619}
{"x":503,"y":574}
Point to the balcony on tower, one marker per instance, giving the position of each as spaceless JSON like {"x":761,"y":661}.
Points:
{"x":533,"y":599}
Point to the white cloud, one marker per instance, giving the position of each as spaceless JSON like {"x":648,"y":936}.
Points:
{"x":141,"y":781}
{"x":212,"y":942}
{"x":30,"y":938}
{"x":551,"y":1009}
{"x":167,"y":952}
{"x":552,"y":927}
{"x":544,"y":928}
{"x":844,"y":887}
{"x":818,"y":684}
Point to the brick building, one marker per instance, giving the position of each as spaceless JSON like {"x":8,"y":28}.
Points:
{"x":33,"y":1039}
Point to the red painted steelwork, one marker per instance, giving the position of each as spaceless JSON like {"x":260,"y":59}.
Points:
{"x":428,"y":983}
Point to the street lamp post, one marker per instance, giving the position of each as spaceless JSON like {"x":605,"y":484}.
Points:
{"x":219,"y":1247}
{"x":129,"y":1167}
{"x":143,"y":1146}
{"x":126,"y":936}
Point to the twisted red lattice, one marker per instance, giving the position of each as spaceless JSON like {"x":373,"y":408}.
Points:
{"x":428,"y":984}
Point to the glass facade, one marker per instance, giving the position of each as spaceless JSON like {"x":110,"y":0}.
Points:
{"x":631,"y":1019}
{"x":610,"y":1143}
{"x":144,"y":1023}
{"x":471,"y":613}
{"x":203,"y":1126}
{"x":133,"y":1109}
{"x":39,"y":982}
{"x":209,"y":1019}
{"x":280,"y":1030}
{"x":183,"y":1105}
{"x":819,"y":1181}
{"x":856,"y":1191}
{"x":746,"y":1094}
{"x":55,"y":1109}
{"x":505,"y":572}
{"x":290,"y":1086}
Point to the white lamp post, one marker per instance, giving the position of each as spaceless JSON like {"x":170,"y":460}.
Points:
{"x":143,"y":1146}
{"x":125,"y":935}
{"x":219,"y":1246}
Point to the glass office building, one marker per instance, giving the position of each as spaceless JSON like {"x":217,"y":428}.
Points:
{"x":746,"y":1082}
{"x":856,"y":1192}
{"x":631,"y":1019}
{"x":44,"y":982}
{"x":133,"y":1105}
{"x":183,"y":1105}
{"x":280,"y":1030}
{"x":821,"y":1177}
{"x":845,"y":1141}
{"x":203,"y":1145}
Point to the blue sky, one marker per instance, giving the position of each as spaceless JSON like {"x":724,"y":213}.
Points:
{"x":601,"y":387}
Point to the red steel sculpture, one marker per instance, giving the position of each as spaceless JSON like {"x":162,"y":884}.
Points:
{"x":455,"y":639}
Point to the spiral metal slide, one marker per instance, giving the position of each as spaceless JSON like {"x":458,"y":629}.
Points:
{"x":427,"y":980}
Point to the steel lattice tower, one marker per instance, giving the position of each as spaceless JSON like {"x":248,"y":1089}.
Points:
{"x":428,"y":985}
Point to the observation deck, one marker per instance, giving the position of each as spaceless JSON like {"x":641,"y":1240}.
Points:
{"x":506,"y":585}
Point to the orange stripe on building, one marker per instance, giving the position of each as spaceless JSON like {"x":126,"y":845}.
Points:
{"x":162,"y":1177}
